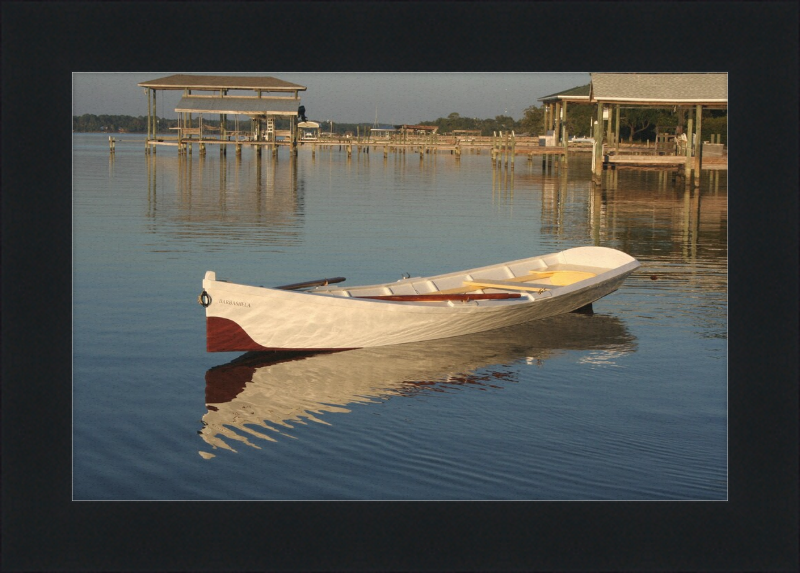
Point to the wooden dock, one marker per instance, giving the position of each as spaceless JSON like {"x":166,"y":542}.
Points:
{"x":645,"y":160}
{"x":504,"y":152}
{"x":662,"y":162}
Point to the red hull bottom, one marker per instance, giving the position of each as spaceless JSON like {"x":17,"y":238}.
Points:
{"x":224,"y":335}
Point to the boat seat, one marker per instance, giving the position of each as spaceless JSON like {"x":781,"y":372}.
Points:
{"x":508,"y":285}
{"x":561,"y":278}
{"x":557,"y":279}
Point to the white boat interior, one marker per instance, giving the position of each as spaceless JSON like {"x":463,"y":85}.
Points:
{"x":538,"y":275}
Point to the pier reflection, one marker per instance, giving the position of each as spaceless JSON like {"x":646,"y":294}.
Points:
{"x":258,"y":200}
{"x":678,"y":232}
{"x":261,"y":395}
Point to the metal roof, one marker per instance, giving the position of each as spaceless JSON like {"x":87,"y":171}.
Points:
{"x":673,"y":89}
{"x":579,"y":93}
{"x":239,"y":105}
{"x":185,"y":81}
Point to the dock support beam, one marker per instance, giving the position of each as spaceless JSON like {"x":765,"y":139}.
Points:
{"x":557,"y":123}
{"x":565,"y":136}
{"x":698,"y":150}
{"x":149,"y":120}
{"x":597,"y":157}
{"x":687,"y":167}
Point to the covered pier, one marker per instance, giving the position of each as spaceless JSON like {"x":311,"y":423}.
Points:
{"x":262,"y":109}
{"x":555,"y":116}
{"x":685,"y":94}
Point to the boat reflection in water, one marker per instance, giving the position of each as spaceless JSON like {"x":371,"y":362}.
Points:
{"x":262,"y":394}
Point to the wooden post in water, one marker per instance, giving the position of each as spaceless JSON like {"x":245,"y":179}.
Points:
{"x":616,"y":130}
{"x":557,"y":123}
{"x":224,"y":133}
{"x":546,"y":107}
{"x":293,"y":136}
{"x":597,"y":164}
{"x":565,"y":136}
{"x":149,"y":122}
{"x":223,"y":129}
{"x":698,"y":152}
{"x":187,"y":122}
{"x":687,"y":167}
{"x":155,"y":121}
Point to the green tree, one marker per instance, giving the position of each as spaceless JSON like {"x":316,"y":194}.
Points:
{"x":580,"y":120}
{"x":637,"y":120}
{"x":532,"y":120}
{"x":715,"y":126}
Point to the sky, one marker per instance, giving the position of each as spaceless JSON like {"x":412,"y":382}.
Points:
{"x":395,"y":98}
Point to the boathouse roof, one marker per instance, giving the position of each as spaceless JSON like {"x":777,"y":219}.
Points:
{"x":187,"y":81}
{"x":707,"y":89}
{"x":580,"y":93}
{"x":239,"y":105}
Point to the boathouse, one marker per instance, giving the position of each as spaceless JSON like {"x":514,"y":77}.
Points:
{"x":685,"y":93}
{"x":382,"y":132}
{"x":309,"y":130}
{"x":417,"y":130}
{"x":267,"y":99}
{"x":555,"y":112}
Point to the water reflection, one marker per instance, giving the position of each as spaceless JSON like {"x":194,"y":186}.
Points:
{"x":248,"y":200}
{"x":261,"y":395}
{"x":502,"y":182}
{"x":257,"y":200}
{"x":641,"y":215}
{"x":679,"y":233}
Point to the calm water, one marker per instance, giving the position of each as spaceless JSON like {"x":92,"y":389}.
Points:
{"x":627,"y":404}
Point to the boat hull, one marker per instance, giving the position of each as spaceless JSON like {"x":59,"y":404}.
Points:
{"x":247,"y":318}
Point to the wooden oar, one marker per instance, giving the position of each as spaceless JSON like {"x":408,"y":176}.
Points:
{"x":319,"y":282}
{"x":436,"y":296}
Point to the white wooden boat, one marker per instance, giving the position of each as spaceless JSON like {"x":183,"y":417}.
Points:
{"x":322,"y":315}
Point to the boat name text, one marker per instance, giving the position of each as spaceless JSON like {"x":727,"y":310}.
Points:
{"x":234,"y":302}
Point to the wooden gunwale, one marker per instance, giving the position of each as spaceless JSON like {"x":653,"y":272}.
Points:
{"x":442,"y":297}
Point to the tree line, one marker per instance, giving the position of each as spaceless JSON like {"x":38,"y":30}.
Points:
{"x":90,"y":123}
{"x":636,"y":123}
